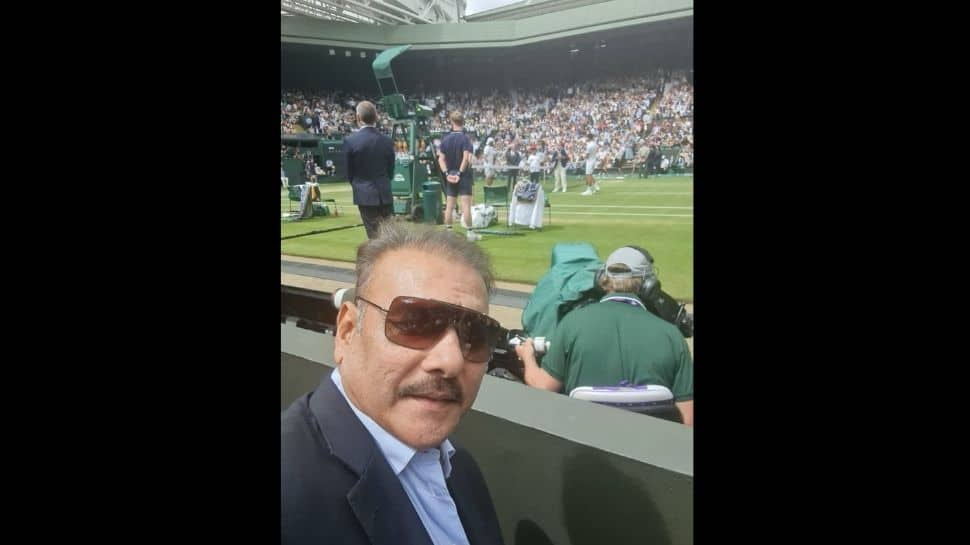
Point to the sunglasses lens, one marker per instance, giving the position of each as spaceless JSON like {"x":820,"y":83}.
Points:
{"x":475,"y":333}
{"x":420,"y":323}
{"x":415,"y":323}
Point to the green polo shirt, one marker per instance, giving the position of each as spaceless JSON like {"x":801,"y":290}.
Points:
{"x":607,"y":342}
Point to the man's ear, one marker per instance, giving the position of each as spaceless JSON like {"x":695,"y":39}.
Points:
{"x":346,"y":322}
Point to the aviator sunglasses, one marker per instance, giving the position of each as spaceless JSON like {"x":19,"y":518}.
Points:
{"x":413,"y":322}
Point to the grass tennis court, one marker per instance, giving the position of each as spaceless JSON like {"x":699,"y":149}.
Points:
{"x":655,"y":213}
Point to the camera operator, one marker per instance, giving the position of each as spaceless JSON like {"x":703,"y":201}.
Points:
{"x":616,"y":339}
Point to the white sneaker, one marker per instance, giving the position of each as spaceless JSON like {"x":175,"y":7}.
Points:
{"x":587,"y":192}
{"x":473,"y":236}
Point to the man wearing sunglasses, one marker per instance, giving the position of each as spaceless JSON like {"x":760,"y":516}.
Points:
{"x":366,"y":457}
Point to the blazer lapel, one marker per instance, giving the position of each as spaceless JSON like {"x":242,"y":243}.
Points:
{"x":472,"y":519}
{"x":384,"y":510}
{"x":378,"y":500}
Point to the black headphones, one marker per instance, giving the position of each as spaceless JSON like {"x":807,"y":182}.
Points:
{"x":649,"y":285}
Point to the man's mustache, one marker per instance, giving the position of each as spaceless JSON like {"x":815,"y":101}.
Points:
{"x":434,"y":387}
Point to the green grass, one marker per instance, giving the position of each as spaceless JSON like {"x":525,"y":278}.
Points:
{"x":622,"y":213}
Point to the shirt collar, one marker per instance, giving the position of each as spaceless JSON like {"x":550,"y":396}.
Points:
{"x":397,"y":453}
{"x":624,"y":297}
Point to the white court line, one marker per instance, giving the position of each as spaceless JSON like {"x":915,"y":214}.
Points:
{"x":621,"y":178}
{"x":623,"y":214}
{"x":620,"y":206}
{"x":570,"y":213}
{"x":347,"y":189}
{"x":647,"y":193}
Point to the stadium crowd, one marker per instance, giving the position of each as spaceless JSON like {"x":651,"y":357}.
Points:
{"x":628,"y":117}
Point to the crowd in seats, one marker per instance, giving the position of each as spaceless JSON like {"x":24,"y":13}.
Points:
{"x":627,"y":116}
{"x":327,"y":113}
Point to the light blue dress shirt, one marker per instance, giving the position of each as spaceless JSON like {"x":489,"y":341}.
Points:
{"x":422,"y":474}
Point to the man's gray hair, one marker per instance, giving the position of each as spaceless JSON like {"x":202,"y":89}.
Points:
{"x":397,"y":235}
{"x":628,"y":285}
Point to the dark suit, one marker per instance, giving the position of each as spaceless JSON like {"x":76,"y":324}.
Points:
{"x":369,"y":156}
{"x":512,"y":159}
{"x":337,"y":487}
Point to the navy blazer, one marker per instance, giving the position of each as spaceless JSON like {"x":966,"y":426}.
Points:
{"x":337,"y":487}
{"x":369,"y":157}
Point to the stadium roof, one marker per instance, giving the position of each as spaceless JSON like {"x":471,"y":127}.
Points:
{"x":378,"y":12}
{"x":409,"y":12}
{"x":511,"y":10}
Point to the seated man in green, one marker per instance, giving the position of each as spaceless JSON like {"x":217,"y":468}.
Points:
{"x":616,"y":339}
